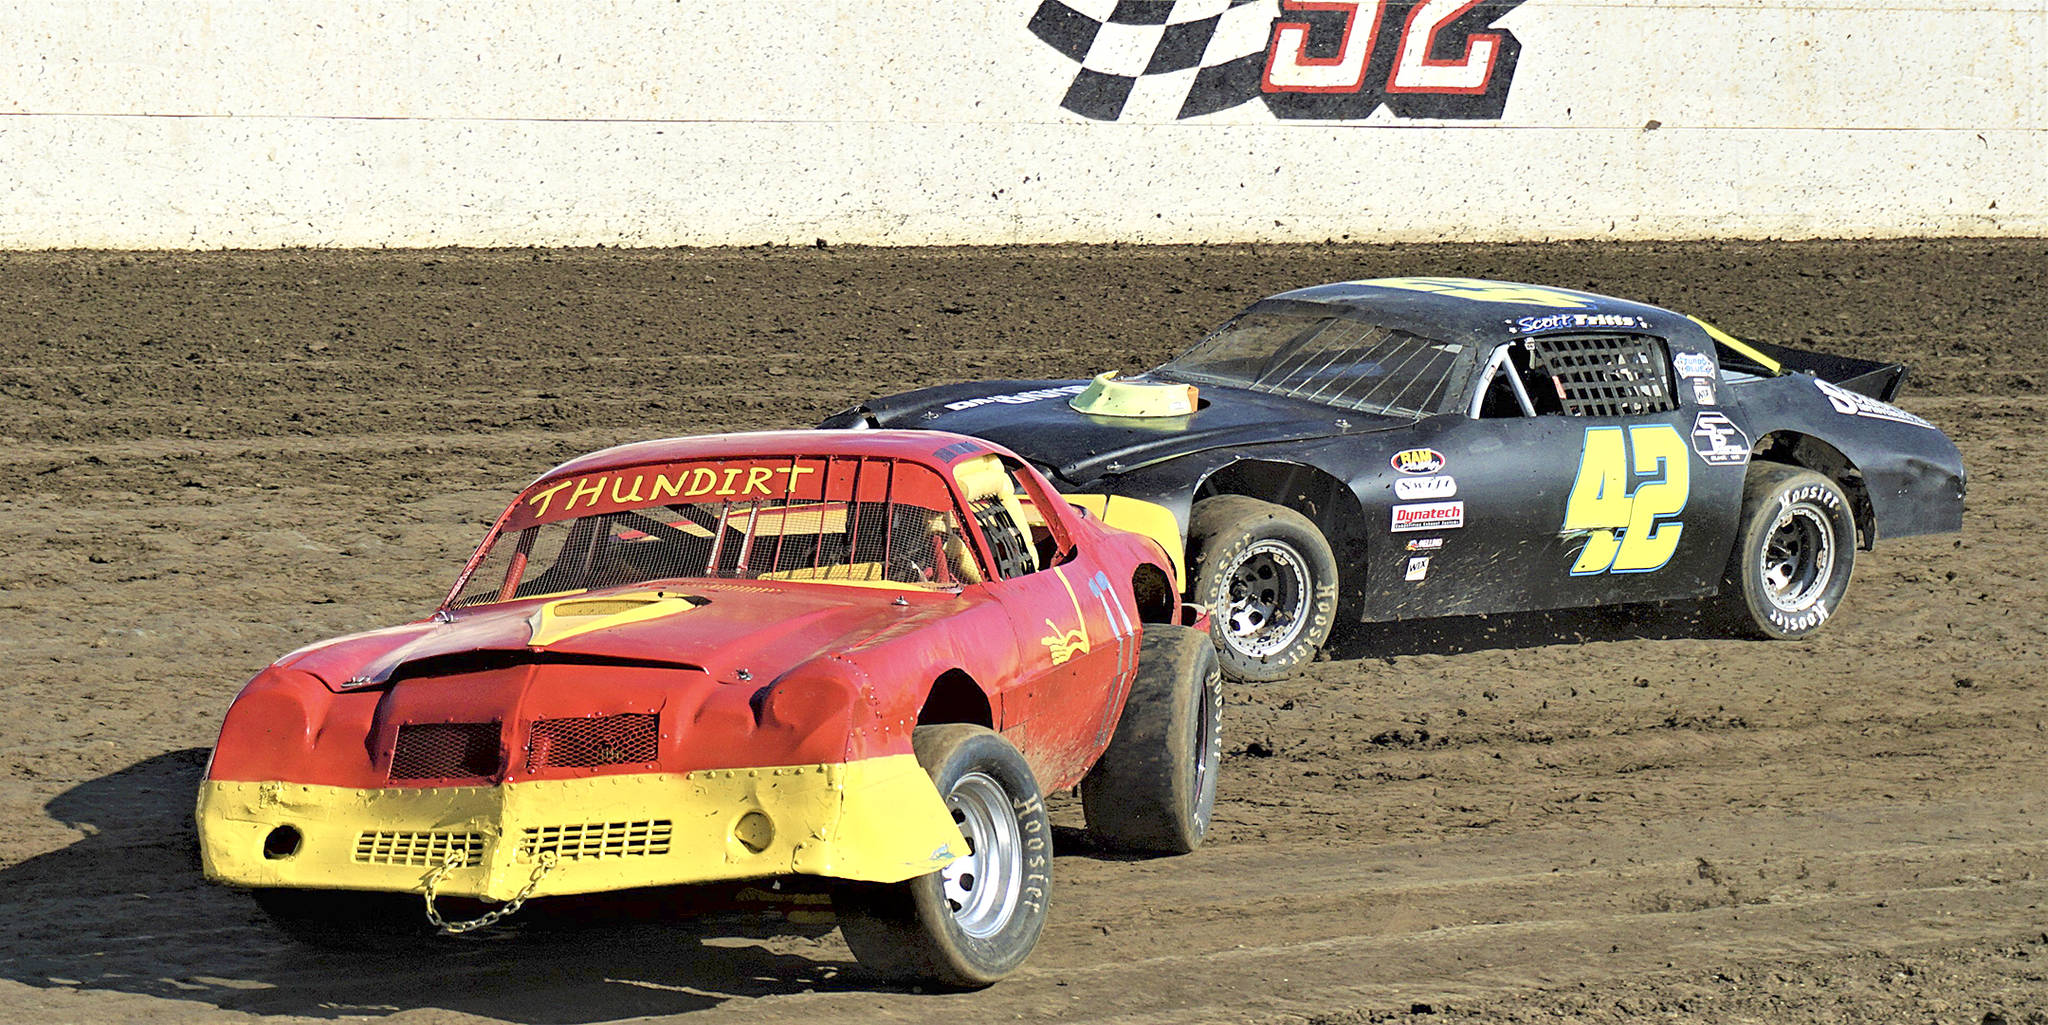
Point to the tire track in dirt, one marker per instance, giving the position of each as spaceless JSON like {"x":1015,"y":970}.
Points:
{"x":1601,"y":815}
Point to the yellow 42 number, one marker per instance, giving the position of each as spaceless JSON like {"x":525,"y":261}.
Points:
{"x":1628,"y":529}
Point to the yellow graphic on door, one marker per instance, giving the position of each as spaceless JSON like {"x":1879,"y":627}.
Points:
{"x":1062,"y":645}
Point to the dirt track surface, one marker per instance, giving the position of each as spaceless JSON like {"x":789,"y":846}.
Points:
{"x":216,"y":458}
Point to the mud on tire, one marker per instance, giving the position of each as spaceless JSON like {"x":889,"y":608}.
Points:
{"x":1270,"y":582}
{"x":1154,"y":788}
{"x":1795,"y":547}
{"x":975,"y":921}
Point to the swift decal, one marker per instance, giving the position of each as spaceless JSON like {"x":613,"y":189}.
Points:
{"x":1416,"y":488}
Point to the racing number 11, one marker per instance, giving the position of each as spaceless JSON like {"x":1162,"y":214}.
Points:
{"x":1627,"y":521}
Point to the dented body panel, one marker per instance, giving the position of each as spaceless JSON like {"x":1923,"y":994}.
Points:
{"x":749,"y":719}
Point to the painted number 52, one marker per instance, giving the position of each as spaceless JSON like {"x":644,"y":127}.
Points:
{"x":1625,"y":500}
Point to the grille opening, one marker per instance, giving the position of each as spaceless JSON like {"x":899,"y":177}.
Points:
{"x":597,"y":839}
{"x":453,"y":750}
{"x":419,"y":849}
{"x":621,"y":739}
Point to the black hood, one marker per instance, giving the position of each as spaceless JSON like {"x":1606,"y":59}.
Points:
{"x":1033,"y":419}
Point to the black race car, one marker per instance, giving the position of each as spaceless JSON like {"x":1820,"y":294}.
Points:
{"x":1410,"y":447}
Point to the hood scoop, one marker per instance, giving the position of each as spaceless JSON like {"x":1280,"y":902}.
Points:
{"x":1110,"y":395}
{"x":558,"y":621}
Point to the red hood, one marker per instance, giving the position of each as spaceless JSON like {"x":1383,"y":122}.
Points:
{"x":764,"y":629}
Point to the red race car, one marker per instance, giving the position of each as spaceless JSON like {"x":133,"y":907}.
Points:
{"x":857,"y":655}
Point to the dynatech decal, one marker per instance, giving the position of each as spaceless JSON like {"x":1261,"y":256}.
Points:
{"x":1018,"y":398}
{"x":1430,"y":516}
{"x":1305,"y":59}
{"x":1414,"y":488}
{"x":1417,"y":460}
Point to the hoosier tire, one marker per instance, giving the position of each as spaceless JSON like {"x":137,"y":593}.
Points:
{"x":1794,"y":551}
{"x":1153,"y":790}
{"x":975,"y":921}
{"x":1270,"y":582}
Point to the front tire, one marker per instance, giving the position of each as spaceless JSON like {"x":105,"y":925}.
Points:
{"x":975,"y":921}
{"x":1794,"y":552}
{"x":1270,"y":582}
{"x":1154,"y":788}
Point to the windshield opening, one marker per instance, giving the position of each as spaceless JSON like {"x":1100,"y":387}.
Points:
{"x":849,"y":520}
{"x":1314,"y":355}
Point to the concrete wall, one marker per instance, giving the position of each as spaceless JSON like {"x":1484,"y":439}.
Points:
{"x":207,"y":123}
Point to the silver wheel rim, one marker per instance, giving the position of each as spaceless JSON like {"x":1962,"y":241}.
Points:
{"x":1268,"y":591}
{"x":1798,"y":559}
{"x":982,"y":887}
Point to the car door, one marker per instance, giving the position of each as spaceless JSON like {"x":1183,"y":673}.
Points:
{"x":1077,"y":634}
{"x":1585,"y":471}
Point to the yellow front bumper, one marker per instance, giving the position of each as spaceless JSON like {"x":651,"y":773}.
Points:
{"x":878,"y":820}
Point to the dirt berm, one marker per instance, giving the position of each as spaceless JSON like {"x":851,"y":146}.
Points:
{"x":214,"y":458}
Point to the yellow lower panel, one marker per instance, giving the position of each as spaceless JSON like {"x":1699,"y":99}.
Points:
{"x":878,"y":820}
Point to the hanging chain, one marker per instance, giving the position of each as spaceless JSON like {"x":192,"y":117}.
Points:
{"x":455,"y":861}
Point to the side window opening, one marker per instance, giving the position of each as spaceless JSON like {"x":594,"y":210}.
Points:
{"x":1020,"y":536}
{"x":1605,"y":375}
{"x":1504,"y":395}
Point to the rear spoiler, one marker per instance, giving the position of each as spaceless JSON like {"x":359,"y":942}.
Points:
{"x":1878,"y":380}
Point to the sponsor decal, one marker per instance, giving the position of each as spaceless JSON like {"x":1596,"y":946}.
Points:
{"x":1417,"y":461}
{"x":1418,"y":568}
{"x":1338,"y":60}
{"x":1849,"y":403}
{"x":1575,"y":321}
{"x":581,"y":496}
{"x":1717,"y":440}
{"x":1429,"y":516}
{"x":1018,"y":398}
{"x":1425,"y":544}
{"x":1692,"y":364}
{"x":1703,"y":391}
{"x":1413,"y":488}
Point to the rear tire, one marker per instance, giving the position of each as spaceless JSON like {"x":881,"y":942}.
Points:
{"x":1154,"y":788}
{"x":975,"y":921}
{"x":1794,"y":552}
{"x":1269,"y":580}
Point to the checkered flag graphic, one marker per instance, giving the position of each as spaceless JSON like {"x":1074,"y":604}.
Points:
{"x":1152,"y":57}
